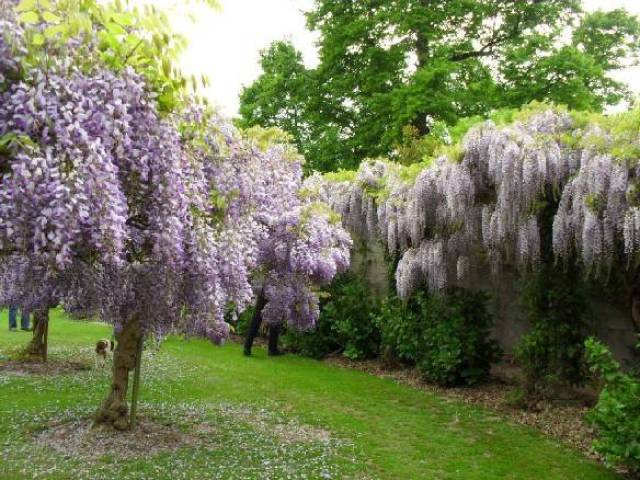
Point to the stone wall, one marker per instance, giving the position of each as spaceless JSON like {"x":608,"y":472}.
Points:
{"x":368,"y":261}
{"x":609,"y":319}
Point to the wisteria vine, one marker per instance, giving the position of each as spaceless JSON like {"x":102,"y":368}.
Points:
{"x":455,"y":214}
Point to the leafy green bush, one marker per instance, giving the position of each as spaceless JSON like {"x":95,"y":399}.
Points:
{"x":456,"y":345}
{"x":616,"y":416}
{"x":240,"y":324}
{"x":552,"y":353}
{"x":400,"y":328}
{"x":317,"y":343}
{"x":346,"y":323}
{"x":447,"y":337}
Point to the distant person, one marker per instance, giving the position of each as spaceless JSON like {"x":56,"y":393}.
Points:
{"x":13,"y":317}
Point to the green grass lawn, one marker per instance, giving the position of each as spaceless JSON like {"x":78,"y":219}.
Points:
{"x":377,"y":428}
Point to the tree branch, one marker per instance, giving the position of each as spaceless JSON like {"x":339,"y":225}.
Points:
{"x":487,"y":49}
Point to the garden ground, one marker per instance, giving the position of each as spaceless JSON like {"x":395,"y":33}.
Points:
{"x":260,"y":417}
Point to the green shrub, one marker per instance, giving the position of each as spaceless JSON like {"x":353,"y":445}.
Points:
{"x":552,"y":353}
{"x":516,"y":398}
{"x":346,"y":323}
{"x":350,"y":311}
{"x":317,"y":343}
{"x":447,"y":337}
{"x":616,"y":416}
{"x":456,"y":344}
{"x":400,"y":328}
{"x":241,"y":323}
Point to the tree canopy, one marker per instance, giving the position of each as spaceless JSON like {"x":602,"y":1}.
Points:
{"x":385,"y":65}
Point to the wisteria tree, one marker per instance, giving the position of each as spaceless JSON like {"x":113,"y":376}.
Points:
{"x":305,"y":249}
{"x":301,"y":245}
{"x":148,"y":213}
{"x":102,"y":204}
{"x":43,"y":44}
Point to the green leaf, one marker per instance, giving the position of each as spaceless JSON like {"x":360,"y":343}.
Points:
{"x":166,"y":67}
{"x":123,"y":18}
{"x":132,"y":40}
{"x":53,"y":31}
{"x":166,"y":102}
{"x":6,"y":139}
{"x":158,"y":42}
{"x":26,"y":6}
{"x":29,"y":17}
{"x":38,"y":39}
{"x":115,"y":28}
{"x":46,"y":4}
{"x":50,"y":17}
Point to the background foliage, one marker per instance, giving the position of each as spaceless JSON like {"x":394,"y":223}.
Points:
{"x":346,"y":322}
{"x":385,"y":65}
{"x":446,"y":336}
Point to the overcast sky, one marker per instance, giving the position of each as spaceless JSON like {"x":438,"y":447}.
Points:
{"x":225,"y":44}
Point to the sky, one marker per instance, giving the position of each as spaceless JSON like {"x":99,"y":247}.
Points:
{"x":225,"y":45}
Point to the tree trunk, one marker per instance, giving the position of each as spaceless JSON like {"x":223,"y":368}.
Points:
{"x":422,"y":56}
{"x":114,"y":409}
{"x":635,"y":312}
{"x":38,"y":345}
{"x":256,"y":321}
{"x":136,"y":382}
{"x":274,"y":334}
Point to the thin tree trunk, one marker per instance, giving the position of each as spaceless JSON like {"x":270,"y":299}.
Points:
{"x":136,"y":381}
{"x":274,"y":334}
{"x":635,"y":301}
{"x":422,"y":54}
{"x":114,"y":409}
{"x":256,"y":320}
{"x":38,"y":345}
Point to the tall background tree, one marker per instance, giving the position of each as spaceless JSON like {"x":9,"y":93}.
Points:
{"x":385,"y":65}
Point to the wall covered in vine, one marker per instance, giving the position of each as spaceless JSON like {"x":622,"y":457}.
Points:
{"x":514,"y":195}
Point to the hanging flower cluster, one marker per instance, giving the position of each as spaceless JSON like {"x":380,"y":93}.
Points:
{"x":304,"y":249}
{"x":596,"y":218}
{"x":11,"y":49}
{"x":487,"y":205}
{"x":289,"y":246}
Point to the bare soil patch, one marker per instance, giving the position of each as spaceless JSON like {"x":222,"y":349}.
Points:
{"x":25,"y":368}
{"x":80,"y":439}
{"x":168,"y":431}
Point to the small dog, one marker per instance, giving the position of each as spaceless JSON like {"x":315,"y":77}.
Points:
{"x":103,"y":347}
